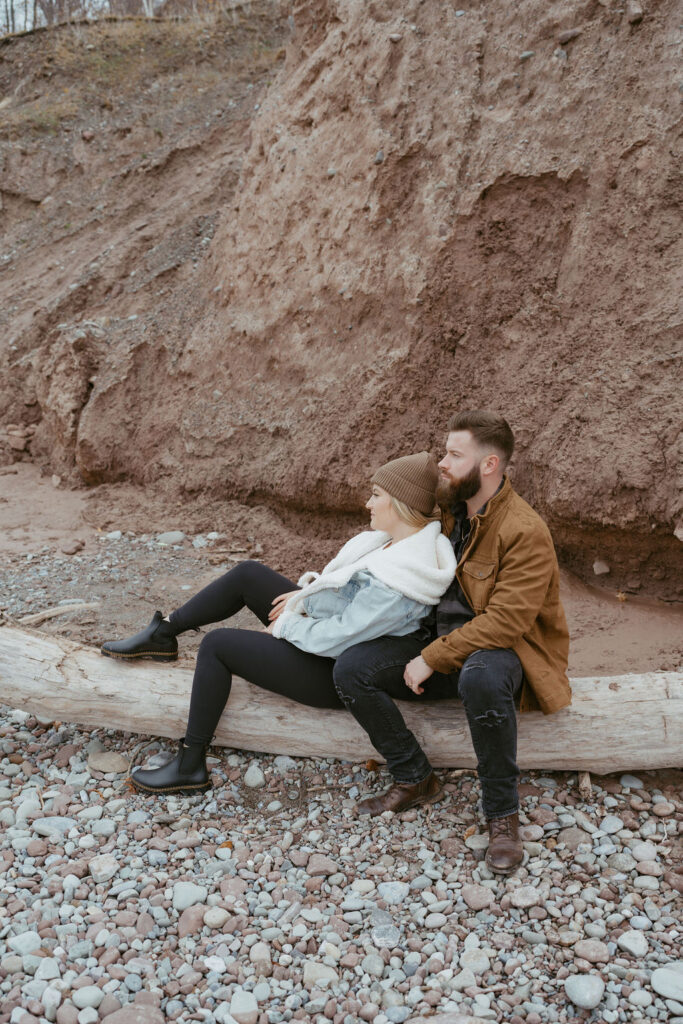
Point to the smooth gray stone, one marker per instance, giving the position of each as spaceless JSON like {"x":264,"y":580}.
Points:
{"x":584,"y":990}
{"x":51,"y":825}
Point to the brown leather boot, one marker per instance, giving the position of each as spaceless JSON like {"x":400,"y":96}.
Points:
{"x":400,"y":796}
{"x":505,"y":850}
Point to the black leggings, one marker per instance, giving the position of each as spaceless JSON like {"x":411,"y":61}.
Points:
{"x":272,"y":664}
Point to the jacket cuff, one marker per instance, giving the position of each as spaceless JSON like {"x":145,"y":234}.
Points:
{"x":440,"y":657}
{"x":278,"y":627}
{"x":308,"y":577}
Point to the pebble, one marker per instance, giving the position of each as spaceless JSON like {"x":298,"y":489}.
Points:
{"x":644,"y":851}
{"x":475,"y":960}
{"x":316,"y":974}
{"x":477,"y":842}
{"x":668,"y":981}
{"x":27,"y":942}
{"x":373,"y":965}
{"x":171,"y":537}
{"x":525,"y":896}
{"x":610,"y":824}
{"x":215,"y":917}
{"x":136,"y":1014}
{"x":393,"y":893}
{"x":435,"y":920}
{"x":477,"y":897}
{"x":243,"y":1007}
{"x":633,"y":942}
{"x":108,"y":761}
{"x":621,"y":861}
{"x":592,"y":950}
{"x":186,"y":894}
{"x":259,"y":954}
{"x":103,"y":868}
{"x":254,"y":777}
{"x":89,"y":995}
{"x":572,"y":837}
{"x":53,"y":825}
{"x":319,"y":864}
{"x":584,"y":990}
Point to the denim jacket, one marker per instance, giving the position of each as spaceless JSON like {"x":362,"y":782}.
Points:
{"x":361,"y":609}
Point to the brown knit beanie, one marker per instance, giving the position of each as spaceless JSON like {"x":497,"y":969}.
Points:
{"x":412,"y":479}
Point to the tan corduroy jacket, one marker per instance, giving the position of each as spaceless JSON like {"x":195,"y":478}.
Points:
{"x":510,"y":576}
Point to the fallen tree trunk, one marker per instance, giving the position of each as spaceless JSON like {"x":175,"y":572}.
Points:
{"x":614,"y":723}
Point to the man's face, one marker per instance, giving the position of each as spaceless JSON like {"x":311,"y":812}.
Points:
{"x":459,"y":470}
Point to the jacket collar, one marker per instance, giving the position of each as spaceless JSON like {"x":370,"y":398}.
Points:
{"x":497,"y":500}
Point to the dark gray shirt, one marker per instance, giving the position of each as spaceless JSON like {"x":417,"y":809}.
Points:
{"x":453,"y":610}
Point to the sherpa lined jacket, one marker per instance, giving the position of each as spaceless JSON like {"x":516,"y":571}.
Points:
{"x":510,"y":576}
{"x":368,"y":591}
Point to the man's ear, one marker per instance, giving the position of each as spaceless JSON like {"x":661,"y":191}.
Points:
{"x":490,"y":464}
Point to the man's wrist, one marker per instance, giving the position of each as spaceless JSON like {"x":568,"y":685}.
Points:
{"x":425,"y":655}
{"x":437,"y":656}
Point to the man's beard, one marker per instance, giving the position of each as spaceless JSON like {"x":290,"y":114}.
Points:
{"x":450,"y":492}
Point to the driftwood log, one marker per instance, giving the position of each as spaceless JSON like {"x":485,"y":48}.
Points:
{"x":618,"y":723}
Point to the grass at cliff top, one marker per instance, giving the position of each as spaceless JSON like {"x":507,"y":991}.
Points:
{"x":70,"y":72}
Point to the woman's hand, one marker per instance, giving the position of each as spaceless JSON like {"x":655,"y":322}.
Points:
{"x":279,"y":606}
{"x":417,"y":671}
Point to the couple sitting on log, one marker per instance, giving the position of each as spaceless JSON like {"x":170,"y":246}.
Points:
{"x":453,"y":592}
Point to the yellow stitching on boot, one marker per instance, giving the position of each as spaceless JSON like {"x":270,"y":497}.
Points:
{"x":141,"y":654}
{"x":164,"y":789}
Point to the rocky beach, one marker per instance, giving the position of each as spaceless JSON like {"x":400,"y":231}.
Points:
{"x":268,"y":899}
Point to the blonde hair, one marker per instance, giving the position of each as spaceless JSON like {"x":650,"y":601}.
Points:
{"x":411,"y":516}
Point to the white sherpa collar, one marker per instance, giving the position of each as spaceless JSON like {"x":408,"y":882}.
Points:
{"x":420,"y":567}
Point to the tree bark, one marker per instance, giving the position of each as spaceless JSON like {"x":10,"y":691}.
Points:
{"x":618,"y":723}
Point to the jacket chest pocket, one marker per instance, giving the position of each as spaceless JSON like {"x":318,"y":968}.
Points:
{"x":478,"y":581}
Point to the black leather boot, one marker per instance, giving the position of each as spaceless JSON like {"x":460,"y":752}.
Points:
{"x":156,"y":641}
{"x":186,"y":773}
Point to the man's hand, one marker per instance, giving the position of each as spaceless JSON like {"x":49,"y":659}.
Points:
{"x":279,"y":605}
{"x":417,"y":671}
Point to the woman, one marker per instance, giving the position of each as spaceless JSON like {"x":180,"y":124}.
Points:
{"x":382,"y":582}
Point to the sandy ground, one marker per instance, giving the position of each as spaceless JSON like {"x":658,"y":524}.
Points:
{"x":132,"y":575}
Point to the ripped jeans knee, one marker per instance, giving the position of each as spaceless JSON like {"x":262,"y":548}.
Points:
{"x":346,"y":698}
{"x":491,"y":718}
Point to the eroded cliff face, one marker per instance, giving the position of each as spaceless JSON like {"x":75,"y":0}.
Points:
{"x":435,"y":209}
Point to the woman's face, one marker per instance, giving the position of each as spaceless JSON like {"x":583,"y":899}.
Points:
{"x":382,"y":513}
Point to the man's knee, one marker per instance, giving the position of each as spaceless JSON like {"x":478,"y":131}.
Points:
{"x":349,"y":674}
{"x":374,"y":665}
{"x":488,"y":677}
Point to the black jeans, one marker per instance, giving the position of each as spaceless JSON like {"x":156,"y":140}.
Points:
{"x":370,"y":674}
{"x":270,"y":663}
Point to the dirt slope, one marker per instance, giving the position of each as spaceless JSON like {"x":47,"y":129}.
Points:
{"x":430,"y":208}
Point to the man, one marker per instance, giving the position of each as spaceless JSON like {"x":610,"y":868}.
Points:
{"x":498,"y":637}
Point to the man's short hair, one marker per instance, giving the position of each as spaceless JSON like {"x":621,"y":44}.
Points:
{"x":488,"y":430}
